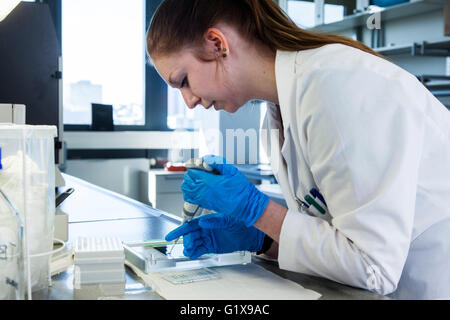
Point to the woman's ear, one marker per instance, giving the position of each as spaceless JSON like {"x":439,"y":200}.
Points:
{"x":216,"y":43}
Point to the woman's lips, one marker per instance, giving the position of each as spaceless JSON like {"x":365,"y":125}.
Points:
{"x":215,"y":105}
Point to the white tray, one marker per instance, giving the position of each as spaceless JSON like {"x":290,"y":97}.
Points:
{"x":161,"y":256}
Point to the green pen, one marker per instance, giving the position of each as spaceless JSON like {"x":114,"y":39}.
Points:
{"x":312,"y":202}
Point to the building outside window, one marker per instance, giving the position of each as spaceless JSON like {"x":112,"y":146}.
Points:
{"x":179,"y":116}
{"x":103,"y":49}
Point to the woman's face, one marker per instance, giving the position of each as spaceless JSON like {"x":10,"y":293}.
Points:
{"x":216,"y":83}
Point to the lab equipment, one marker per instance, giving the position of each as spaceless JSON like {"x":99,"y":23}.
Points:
{"x":387,"y":3}
{"x":175,"y":167}
{"x":217,"y":233}
{"x":27,"y":179}
{"x":12,"y":270}
{"x":63,"y":196}
{"x":61,"y":218}
{"x":229,"y":192}
{"x":191,"y":210}
{"x":61,"y":260}
{"x":164,"y":190}
{"x":189,"y":276}
{"x":98,"y":261}
{"x":164,"y":256}
{"x":12,"y":113}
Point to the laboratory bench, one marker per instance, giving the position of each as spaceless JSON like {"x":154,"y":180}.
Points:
{"x":97,"y":212}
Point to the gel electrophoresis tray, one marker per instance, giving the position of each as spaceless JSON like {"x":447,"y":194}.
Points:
{"x":161,"y":256}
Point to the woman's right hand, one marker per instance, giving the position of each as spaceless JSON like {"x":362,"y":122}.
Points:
{"x":216,"y":233}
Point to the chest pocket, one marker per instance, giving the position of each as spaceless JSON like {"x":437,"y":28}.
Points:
{"x":314,"y":204}
{"x":301,"y":182}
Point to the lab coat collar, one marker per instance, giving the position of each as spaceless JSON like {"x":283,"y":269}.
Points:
{"x":285,"y":73}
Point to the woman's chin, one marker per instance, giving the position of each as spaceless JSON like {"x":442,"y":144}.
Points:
{"x":230,"y":109}
{"x":226,"y":107}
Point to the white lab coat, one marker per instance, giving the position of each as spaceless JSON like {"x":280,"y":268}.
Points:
{"x":376,"y":144}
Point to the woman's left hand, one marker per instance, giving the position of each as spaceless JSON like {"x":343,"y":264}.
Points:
{"x":230,"y":192}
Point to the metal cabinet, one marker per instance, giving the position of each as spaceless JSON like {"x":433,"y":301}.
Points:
{"x":164,"y":190}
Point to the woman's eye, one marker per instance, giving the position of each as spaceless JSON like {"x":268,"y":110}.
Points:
{"x":185,"y":82}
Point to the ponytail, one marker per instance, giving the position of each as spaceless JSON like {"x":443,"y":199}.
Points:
{"x":182,"y":23}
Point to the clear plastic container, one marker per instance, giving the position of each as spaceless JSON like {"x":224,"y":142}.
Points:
{"x":11,"y":253}
{"x":27,"y":177}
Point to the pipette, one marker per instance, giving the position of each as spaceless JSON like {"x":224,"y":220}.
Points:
{"x":190,"y":210}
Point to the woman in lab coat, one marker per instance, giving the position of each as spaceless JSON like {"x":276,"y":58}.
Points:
{"x":362,"y":152}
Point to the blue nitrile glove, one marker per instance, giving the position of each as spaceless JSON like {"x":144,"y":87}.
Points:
{"x":216,"y":233}
{"x":230,"y":192}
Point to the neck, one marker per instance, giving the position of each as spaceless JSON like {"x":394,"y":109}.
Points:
{"x":261,"y":71}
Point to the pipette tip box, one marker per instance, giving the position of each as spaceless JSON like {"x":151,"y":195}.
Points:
{"x":99,"y":260}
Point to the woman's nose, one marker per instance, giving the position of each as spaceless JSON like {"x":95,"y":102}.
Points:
{"x":191,"y":99}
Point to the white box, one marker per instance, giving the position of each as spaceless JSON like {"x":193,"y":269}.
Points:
{"x":98,"y":250}
{"x":98,"y":260}
{"x":12,"y":113}
{"x":6,"y":115}
{"x":97,"y":277}
{"x":61,"y":226}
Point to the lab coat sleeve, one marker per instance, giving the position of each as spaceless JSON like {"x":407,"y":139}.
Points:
{"x":362,"y":133}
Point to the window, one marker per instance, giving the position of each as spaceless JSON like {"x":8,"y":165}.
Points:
{"x":179,"y":116}
{"x":303,"y":12}
{"x":103,"y":49}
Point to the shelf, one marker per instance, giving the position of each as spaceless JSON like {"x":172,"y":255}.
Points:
{"x":394,"y":50}
{"x":438,"y":85}
{"x":389,"y":13}
{"x":440,"y":93}
{"x":436,"y":48}
{"x":424,"y":78}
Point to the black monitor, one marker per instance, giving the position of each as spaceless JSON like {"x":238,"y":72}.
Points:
{"x":102,"y":117}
